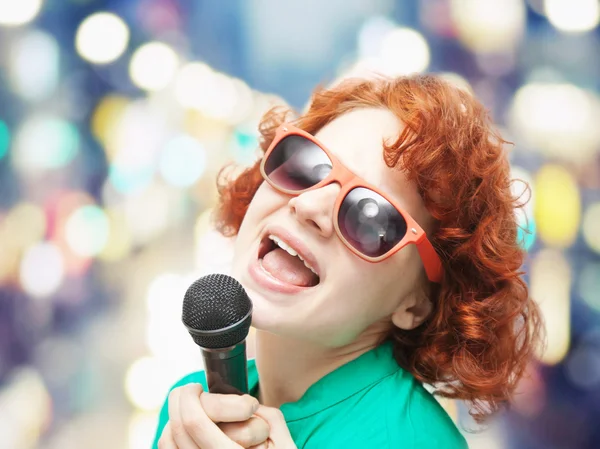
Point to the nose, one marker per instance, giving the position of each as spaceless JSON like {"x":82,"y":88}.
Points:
{"x":315,"y":208}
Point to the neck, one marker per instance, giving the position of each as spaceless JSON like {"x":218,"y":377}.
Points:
{"x":288,"y":367}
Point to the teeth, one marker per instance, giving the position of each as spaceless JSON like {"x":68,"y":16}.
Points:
{"x":290,"y":250}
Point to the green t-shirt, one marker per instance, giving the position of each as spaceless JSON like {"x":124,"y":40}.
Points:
{"x":369,"y":402}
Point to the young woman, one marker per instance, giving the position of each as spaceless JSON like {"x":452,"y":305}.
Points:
{"x":377,"y":240}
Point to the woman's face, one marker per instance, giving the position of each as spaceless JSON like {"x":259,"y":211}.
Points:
{"x":353,"y":297}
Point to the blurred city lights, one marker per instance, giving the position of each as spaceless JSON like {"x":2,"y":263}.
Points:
{"x":573,"y":15}
{"x":583,"y":363}
{"x":244,"y":144}
{"x":183,"y":161}
{"x":4,"y":139}
{"x":34,"y":65}
{"x":216,"y":95}
{"x":142,"y":427}
{"x":591,"y":226}
{"x":372,"y":34}
{"x":456,"y":80}
{"x":404,"y":51}
{"x":13,"y":13}
{"x":557,"y":119}
{"x":42,"y":269}
{"x":550,"y":287}
{"x":525,"y":214}
{"x":489,"y":26}
{"x":87,"y":231}
{"x":147,"y":382}
{"x":119,"y":238}
{"x":148,"y":212}
{"x":102,"y":38}
{"x":153,"y":66}
{"x":589,"y":285}
{"x":23,"y":425}
{"x":557,"y":206}
{"x":45,"y":142}
{"x":25,"y":224}
{"x":106,"y":116}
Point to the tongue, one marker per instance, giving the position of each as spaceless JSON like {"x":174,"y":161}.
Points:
{"x":287,"y":268}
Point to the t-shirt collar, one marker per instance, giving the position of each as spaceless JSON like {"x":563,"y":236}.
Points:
{"x":341,"y":383}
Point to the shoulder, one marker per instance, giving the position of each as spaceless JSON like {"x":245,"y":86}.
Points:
{"x":418,"y":413}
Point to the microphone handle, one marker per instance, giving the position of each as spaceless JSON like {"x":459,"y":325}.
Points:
{"x":226,"y":369}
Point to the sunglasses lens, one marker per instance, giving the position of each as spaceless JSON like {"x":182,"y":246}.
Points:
{"x":297,"y":163}
{"x":370,"y":223}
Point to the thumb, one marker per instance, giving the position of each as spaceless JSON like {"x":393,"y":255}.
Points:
{"x":279,"y":433}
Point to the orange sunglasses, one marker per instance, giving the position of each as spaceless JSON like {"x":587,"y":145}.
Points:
{"x":371,"y":224}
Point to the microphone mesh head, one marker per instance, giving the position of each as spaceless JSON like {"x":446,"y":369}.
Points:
{"x":217,"y":311}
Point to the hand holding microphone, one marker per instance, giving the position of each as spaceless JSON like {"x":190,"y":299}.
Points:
{"x":217,"y":313}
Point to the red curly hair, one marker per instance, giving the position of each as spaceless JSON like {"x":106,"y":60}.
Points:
{"x":484,"y":327}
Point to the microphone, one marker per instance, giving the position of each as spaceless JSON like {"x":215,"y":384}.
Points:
{"x":217,"y":313}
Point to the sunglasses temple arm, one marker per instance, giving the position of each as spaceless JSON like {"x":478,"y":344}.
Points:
{"x":431,"y":260}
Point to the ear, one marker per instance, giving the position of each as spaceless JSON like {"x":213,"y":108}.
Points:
{"x":412,"y":311}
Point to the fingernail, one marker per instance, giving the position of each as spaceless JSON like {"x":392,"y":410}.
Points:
{"x":255,"y":406}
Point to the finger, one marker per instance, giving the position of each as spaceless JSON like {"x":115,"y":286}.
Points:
{"x":196,"y":422}
{"x":228,"y":407}
{"x":166,"y":440}
{"x":264,"y":445}
{"x":248,"y":433}
{"x":279,"y":433}
{"x":177,"y":430}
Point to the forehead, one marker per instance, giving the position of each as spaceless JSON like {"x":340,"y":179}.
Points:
{"x":356,"y":139}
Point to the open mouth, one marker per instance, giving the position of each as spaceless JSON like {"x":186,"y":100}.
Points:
{"x":284,"y":263}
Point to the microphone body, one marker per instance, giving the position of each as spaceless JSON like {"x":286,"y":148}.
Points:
{"x":217,"y":313}
{"x":226,"y":370}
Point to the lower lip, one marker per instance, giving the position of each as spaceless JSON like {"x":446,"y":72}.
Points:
{"x":265,"y":280}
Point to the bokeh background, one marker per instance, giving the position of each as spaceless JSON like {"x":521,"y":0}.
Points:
{"x":115,"y":116}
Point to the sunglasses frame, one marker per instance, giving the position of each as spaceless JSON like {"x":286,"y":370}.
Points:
{"x":348,"y":180}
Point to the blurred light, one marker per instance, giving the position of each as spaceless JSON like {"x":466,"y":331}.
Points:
{"x":142,"y":427}
{"x":489,"y":26}
{"x":102,"y":38}
{"x":23,"y":426}
{"x":119,"y":239}
{"x":149,"y":212}
{"x":559,"y":120}
{"x":45,"y":142}
{"x":134,"y":148}
{"x":183,"y":161}
{"x":589,"y":285}
{"x":404,"y":51}
{"x":42,"y":269}
{"x":18,"y":12}
{"x":372,"y":34}
{"x":521,"y":179}
{"x":153,"y":65}
{"x":25,"y":224}
{"x":34,"y":65}
{"x":4,"y":139}
{"x":105,"y":119}
{"x":216,"y":95}
{"x":146,"y":383}
{"x":583,"y":364}
{"x":214,"y":252}
{"x":87,"y":231}
{"x":244,"y":144}
{"x":573,"y":15}
{"x":557,"y":206}
{"x":550,"y":287}
{"x":456,"y":80}
{"x":591,"y":227}
{"x":128,"y":179}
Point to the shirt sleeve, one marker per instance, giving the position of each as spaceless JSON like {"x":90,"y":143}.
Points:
{"x":163,"y":418}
